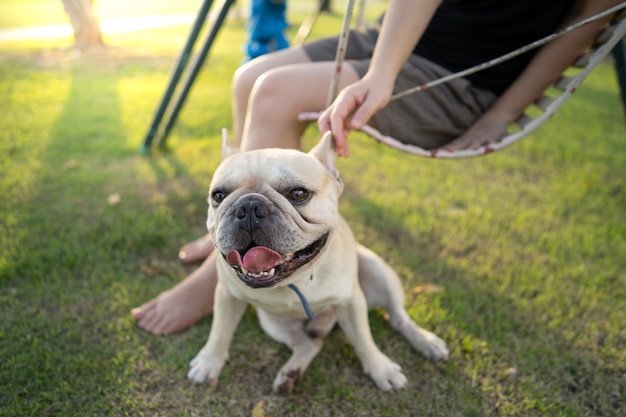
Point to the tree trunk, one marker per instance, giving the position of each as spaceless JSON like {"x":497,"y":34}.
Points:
{"x":86,"y":27}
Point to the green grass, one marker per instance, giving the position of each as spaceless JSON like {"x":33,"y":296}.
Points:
{"x":528,"y":245}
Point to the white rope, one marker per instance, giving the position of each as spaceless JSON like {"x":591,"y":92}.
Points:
{"x":341,"y":52}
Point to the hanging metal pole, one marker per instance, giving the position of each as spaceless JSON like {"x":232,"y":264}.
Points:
{"x":193,"y":73}
{"x":179,"y":68}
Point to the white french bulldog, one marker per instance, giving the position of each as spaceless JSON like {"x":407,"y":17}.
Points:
{"x":273,"y":215}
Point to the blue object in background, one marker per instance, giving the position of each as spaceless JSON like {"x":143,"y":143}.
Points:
{"x":266,"y":27}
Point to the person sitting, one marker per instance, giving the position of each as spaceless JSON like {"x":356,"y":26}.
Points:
{"x":417,"y":41}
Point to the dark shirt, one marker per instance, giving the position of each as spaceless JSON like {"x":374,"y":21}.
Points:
{"x":464,"y":33}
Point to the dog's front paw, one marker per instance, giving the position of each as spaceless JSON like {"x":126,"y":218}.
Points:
{"x":386,"y":374}
{"x":205,"y":368}
{"x":433,"y":347}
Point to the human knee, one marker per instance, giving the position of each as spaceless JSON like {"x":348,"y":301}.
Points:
{"x":263,"y":91}
{"x":243,"y":81}
{"x":272,"y":89}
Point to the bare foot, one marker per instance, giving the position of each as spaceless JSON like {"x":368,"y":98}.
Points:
{"x":183,"y":305}
{"x":197,"y":250}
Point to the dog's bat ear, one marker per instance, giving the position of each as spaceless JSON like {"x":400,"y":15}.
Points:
{"x":325,"y":153}
{"x":228,"y":147}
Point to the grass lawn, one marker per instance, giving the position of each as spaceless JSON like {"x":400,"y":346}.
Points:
{"x":517,"y":259}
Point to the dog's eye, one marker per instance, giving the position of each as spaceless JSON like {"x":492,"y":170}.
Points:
{"x":218,"y":196}
{"x":298,"y":195}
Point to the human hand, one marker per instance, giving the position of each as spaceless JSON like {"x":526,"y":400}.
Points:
{"x":487,"y":129}
{"x":352,"y":108}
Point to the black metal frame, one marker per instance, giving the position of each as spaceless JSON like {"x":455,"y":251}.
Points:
{"x":157,"y":133}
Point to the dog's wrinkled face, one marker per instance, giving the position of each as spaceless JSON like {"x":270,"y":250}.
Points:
{"x":271,"y":211}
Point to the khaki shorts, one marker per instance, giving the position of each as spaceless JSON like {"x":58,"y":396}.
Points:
{"x":429,"y":118}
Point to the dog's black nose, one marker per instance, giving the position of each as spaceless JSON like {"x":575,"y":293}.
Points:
{"x":251,"y":214}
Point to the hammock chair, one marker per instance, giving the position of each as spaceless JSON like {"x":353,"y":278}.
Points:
{"x":548,"y":104}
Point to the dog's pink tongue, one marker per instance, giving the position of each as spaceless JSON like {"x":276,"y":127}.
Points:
{"x":257,"y":259}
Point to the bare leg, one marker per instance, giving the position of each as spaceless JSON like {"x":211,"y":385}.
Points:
{"x":280,"y":95}
{"x":247,"y":75}
{"x":181,"y":306}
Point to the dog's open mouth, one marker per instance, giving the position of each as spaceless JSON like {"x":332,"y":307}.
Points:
{"x":261,"y":267}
